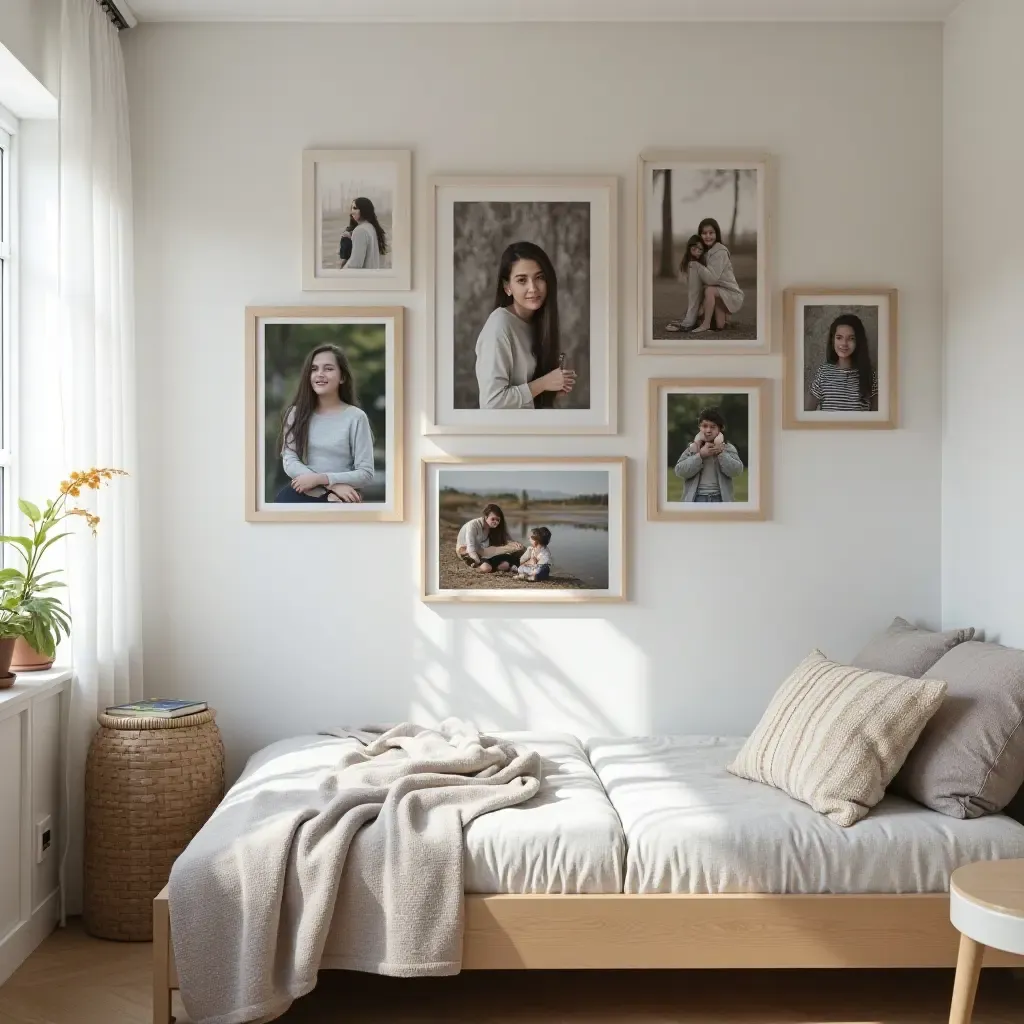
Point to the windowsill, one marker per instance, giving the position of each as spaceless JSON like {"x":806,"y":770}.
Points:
{"x":30,"y":685}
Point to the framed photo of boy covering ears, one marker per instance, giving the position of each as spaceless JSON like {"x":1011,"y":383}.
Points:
{"x":708,"y":449}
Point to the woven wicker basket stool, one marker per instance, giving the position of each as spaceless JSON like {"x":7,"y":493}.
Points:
{"x":150,"y":784}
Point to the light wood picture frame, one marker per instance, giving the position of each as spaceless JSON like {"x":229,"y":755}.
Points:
{"x":379,"y":183}
{"x":860,"y":396}
{"x":473,"y":220}
{"x":284,"y":347}
{"x":581,"y":501}
{"x":676,"y":432}
{"x":679,"y":192}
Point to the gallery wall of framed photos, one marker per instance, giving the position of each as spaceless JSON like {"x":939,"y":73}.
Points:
{"x":523,"y":339}
{"x":713,"y":607}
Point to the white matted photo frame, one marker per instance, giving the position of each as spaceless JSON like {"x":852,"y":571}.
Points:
{"x":841,"y":358}
{"x":522,"y":305}
{"x":544,"y":530}
{"x":708,"y":449}
{"x":704,"y":244}
{"x":356,"y":220}
{"x":324,"y":414}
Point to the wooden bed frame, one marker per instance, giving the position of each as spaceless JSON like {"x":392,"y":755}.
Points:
{"x":668,"y":931}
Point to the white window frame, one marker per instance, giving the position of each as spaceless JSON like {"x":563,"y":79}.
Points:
{"x":9,"y":321}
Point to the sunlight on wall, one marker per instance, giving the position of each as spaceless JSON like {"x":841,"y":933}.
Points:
{"x":539,"y":672}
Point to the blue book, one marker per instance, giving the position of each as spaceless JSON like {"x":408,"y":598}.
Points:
{"x":158,"y":708}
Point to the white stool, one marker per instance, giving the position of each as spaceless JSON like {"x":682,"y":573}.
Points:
{"x":986,"y":905}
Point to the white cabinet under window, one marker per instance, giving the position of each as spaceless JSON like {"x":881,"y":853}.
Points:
{"x":33,"y":726}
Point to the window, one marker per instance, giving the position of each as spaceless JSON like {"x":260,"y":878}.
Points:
{"x":7,"y":426}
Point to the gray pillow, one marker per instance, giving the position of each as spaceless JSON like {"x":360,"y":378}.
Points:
{"x":969,"y":759}
{"x":907,"y":650}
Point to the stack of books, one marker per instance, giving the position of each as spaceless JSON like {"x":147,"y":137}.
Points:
{"x":158,"y":708}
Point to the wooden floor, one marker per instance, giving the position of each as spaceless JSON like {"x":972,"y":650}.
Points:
{"x":73,"y":979}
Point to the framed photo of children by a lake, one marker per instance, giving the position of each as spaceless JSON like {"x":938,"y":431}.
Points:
{"x":522,"y":306}
{"x":524,"y":529}
{"x":356,"y":220}
{"x":323,"y":410}
{"x":704,"y":287}
{"x":708,"y":449}
{"x":841,"y":363}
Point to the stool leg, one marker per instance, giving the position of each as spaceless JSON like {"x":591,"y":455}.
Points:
{"x":968,"y":970}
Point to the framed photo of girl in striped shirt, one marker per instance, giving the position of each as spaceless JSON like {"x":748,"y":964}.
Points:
{"x":841,"y":358}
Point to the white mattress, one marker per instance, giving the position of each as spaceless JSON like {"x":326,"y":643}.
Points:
{"x":567,"y":839}
{"x":692,"y":827}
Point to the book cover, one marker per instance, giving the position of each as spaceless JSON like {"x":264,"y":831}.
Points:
{"x":158,"y":708}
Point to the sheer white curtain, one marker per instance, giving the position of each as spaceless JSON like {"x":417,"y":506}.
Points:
{"x":97,"y":371}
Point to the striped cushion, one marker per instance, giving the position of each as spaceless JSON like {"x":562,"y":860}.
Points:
{"x":834,"y":736}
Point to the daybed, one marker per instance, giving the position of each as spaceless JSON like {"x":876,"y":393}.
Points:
{"x":648,"y":853}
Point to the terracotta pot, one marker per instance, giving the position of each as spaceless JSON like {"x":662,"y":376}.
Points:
{"x":6,"y":653}
{"x":27,"y":659}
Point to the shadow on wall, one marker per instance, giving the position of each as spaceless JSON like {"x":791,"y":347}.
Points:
{"x":515,"y":681}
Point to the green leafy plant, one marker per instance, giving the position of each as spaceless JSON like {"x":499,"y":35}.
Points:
{"x":28,"y":607}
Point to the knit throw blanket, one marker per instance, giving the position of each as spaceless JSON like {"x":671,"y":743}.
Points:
{"x":364,"y":826}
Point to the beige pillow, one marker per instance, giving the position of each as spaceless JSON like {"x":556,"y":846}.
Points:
{"x":834,"y":736}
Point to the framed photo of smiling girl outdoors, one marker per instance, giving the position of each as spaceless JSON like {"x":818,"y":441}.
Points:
{"x":522,"y":306}
{"x":323,"y":412}
{"x":842,"y":358}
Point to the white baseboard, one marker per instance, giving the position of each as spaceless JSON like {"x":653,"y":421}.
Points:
{"x":19,"y":943}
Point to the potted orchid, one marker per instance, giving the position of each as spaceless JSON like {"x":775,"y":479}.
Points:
{"x":31,"y":618}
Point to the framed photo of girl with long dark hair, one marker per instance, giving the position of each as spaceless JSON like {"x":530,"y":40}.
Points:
{"x":522,"y":306}
{"x":356,"y":220}
{"x":704,"y":222}
{"x":842,"y":358}
{"x":546,"y":529}
{"x":323,"y":409}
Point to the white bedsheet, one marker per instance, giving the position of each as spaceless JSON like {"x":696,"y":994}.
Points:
{"x":692,"y":827}
{"x":567,"y":839}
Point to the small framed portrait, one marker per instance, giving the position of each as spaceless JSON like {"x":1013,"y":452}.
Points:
{"x":524,"y":529}
{"x":323,"y":414}
{"x":356,"y":220}
{"x":708,"y":449}
{"x":703,"y":253}
{"x":841,"y":358}
{"x":522,"y":306}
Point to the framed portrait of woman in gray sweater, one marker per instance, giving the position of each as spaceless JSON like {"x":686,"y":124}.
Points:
{"x":522,"y":306}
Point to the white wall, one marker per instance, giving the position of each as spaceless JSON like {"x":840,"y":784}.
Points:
{"x":21,"y":31}
{"x":983,"y":469}
{"x":288,"y":627}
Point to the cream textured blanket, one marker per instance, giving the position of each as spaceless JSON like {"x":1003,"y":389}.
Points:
{"x":367,"y":825}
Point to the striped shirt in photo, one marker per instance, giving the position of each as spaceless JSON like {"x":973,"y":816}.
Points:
{"x":837,"y":389}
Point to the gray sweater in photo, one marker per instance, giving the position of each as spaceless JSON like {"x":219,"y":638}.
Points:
{"x":695,"y":471}
{"x":340,"y":445}
{"x":365,"y":250}
{"x":719,"y":273}
{"x":505,"y":363}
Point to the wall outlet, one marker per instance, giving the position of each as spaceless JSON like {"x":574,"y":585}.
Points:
{"x":44,"y":838}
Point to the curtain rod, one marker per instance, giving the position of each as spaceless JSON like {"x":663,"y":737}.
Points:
{"x":119,"y":13}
